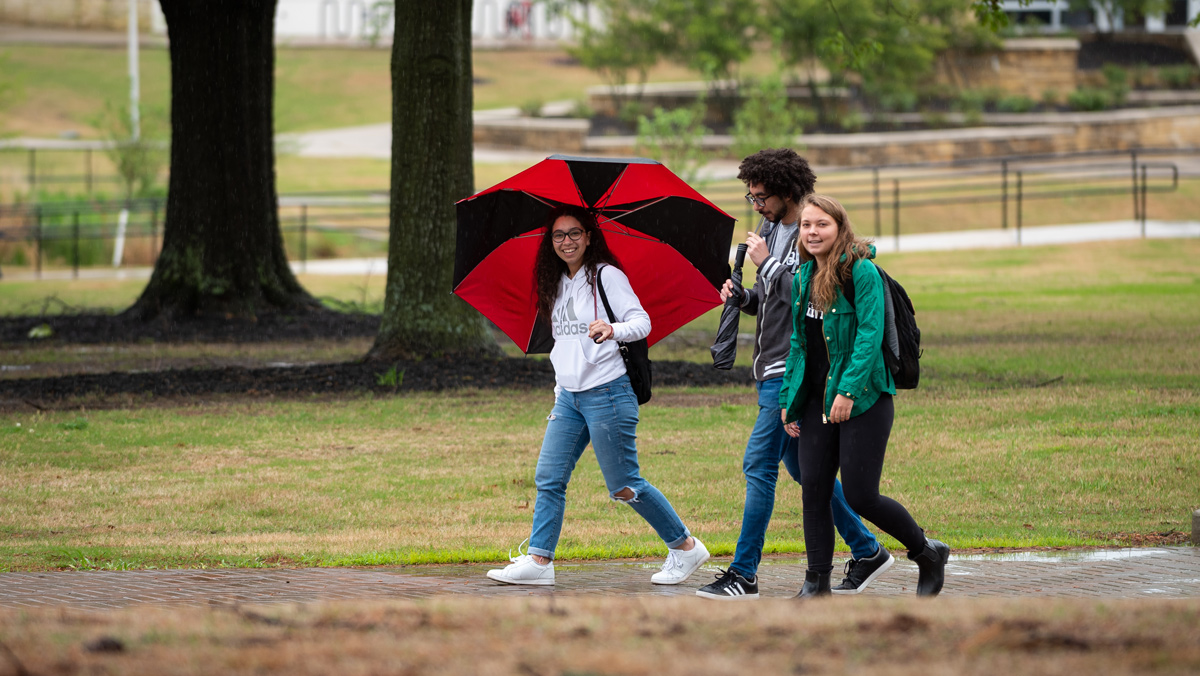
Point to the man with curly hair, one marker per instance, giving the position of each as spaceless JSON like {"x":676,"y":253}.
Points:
{"x":777,"y":180}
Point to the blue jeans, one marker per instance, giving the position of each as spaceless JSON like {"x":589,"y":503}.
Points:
{"x":768,"y":445}
{"x":607,"y":416}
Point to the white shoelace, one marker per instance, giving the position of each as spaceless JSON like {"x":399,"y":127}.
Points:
{"x":519,"y":554}
{"x":673,"y":561}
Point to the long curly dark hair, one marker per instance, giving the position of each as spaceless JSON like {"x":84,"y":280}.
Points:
{"x":549,"y":268}
{"x":780,"y":171}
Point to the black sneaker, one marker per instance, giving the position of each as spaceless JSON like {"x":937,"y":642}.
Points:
{"x":730,"y":586}
{"x":862,"y":572}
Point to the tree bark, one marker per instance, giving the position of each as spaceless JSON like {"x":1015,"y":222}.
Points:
{"x":222,"y":247}
{"x":431,"y":170}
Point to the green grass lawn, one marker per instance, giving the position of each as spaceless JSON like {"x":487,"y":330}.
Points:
{"x":1058,"y":406}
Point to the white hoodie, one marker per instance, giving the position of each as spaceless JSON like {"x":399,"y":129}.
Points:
{"x":579,"y":363}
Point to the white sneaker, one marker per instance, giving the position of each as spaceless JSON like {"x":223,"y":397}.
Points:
{"x":524,"y":570}
{"x":680,"y":565}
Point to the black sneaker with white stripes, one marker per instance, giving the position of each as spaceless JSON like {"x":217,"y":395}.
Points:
{"x":730,"y":586}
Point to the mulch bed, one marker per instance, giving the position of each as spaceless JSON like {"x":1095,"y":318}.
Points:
{"x":432,"y":374}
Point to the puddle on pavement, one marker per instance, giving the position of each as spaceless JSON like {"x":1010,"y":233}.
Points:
{"x":1063,"y":556}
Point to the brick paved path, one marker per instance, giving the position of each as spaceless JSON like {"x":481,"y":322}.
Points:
{"x":1170,"y":572}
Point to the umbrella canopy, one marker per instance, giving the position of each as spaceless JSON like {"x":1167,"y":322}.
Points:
{"x":672,"y":243}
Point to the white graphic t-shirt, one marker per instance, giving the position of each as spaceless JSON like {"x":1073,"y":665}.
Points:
{"x":579,"y":363}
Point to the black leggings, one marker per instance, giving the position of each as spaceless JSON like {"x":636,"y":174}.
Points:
{"x":857,"y":446}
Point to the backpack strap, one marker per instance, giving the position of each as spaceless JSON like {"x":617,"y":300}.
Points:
{"x":848,"y":289}
{"x":604,"y":296}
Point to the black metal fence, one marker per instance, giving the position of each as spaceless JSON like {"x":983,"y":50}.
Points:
{"x":1005,"y":184}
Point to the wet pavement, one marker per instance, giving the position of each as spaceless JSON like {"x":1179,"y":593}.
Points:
{"x":1165,"y":572}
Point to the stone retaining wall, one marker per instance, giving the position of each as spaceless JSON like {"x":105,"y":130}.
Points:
{"x":1025,"y":67}
{"x":1044,"y":133}
{"x":85,"y":14}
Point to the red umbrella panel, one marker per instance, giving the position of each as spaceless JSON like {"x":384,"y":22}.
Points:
{"x":672,"y":243}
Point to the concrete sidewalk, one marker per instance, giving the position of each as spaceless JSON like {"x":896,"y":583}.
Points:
{"x":1167,"y":572}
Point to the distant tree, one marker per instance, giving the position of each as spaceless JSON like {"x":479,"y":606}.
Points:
{"x":138,"y":161}
{"x":1111,"y":10}
{"x":431,"y":170}
{"x":767,"y":118}
{"x":627,"y":46}
{"x":710,"y":36}
{"x":889,"y":45}
{"x":222,"y":247}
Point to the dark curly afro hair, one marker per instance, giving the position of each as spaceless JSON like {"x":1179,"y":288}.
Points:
{"x":781,"y":171}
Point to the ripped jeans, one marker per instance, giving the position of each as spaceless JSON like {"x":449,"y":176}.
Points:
{"x":607,"y":416}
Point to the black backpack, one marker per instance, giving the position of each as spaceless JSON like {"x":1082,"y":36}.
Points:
{"x":901,"y":336}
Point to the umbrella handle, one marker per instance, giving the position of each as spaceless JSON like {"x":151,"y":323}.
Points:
{"x":739,"y":258}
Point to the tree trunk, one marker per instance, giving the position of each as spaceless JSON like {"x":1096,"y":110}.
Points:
{"x":222,"y":247}
{"x":431,"y":170}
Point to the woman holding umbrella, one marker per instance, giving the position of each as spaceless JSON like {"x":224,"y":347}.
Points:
{"x":593,"y":398}
{"x":837,"y":395}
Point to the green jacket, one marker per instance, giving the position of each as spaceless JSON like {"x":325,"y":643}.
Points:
{"x":853,"y":335}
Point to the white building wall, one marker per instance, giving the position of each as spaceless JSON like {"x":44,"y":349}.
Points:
{"x":350,"y":19}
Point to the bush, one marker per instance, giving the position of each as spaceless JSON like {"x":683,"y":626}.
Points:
{"x":897,"y":101}
{"x":1051,"y":98}
{"x":532,"y":108}
{"x":969,"y":101}
{"x":1015,"y":104}
{"x":1116,"y":81}
{"x":991,"y":95}
{"x":1090,"y":99}
{"x":1178,"y":77}
{"x":631,"y":111}
{"x":765,"y":119}
{"x":675,"y":138}
{"x":935,"y":119}
{"x":1143,"y":76}
{"x":852,"y":122}
{"x":582,"y":110}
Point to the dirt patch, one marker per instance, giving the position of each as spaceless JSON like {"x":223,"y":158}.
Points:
{"x":91,"y":328}
{"x":1163,"y":539}
{"x":433,"y":374}
{"x":641,"y":636}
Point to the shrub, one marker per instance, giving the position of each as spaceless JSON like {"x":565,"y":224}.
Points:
{"x":675,"y":138}
{"x":1051,"y":98}
{"x":765,"y":120}
{"x":991,"y":95}
{"x":1015,"y":104}
{"x":1116,"y":81}
{"x":1178,"y":77}
{"x":532,"y":108}
{"x":1090,"y":99}
{"x":582,"y":110}
{"x":969,"y":101}
{"x":1143,"y":76}
{"x":852,"y":122}
{"x":903,"y":101}
{"x":631,"y":111}
{"x":935,"y":119}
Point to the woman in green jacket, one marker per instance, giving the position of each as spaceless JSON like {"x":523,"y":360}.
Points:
{"x":837,"y":395}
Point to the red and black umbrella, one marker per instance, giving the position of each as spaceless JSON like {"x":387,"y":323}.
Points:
{"x":671,"y":242}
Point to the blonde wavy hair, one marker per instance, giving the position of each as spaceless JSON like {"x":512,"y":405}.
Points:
{"x":846,"y":250}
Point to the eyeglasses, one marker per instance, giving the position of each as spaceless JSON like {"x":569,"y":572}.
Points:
{"x":573,"y":233}
{"x":756,"y":200}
